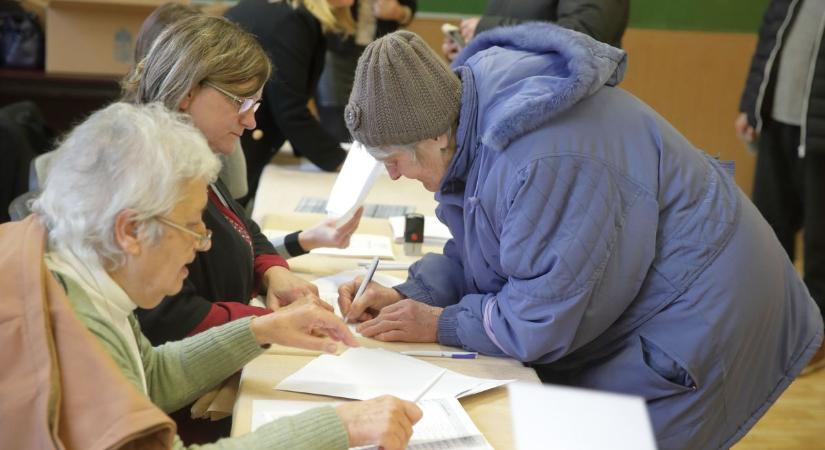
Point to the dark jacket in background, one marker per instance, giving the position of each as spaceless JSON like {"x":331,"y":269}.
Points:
{"x":294,"y":41}
{"x":604,"y":20}
{"x":757,"y":99}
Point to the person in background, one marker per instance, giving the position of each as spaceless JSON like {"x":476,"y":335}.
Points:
{"x":623,"y":260}
{"x":781,"y":116}
{"x":373,"y":19}
{"x":604,"y":20}
{"x":212,"y":70}
{"x":123,"y":208}
{"x":292,"y":33}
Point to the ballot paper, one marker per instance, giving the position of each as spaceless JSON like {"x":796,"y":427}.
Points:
{"x":328,"y":286}
{"x":548,"y":417}
{"x":435,"y":232}
{"x":353,"y":183}
{"x":360,"y":245}
{"x":363,"y":373}
{"x":445,"y":424}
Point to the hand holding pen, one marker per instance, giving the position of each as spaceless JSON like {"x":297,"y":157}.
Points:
{"x":360,"y":301}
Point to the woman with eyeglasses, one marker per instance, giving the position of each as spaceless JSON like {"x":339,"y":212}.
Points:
{"x":122,"y":210}
{"x":292,"y":34}
{"x":213,"y":71}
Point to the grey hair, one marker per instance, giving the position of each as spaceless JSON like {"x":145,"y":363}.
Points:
{"x":122,"y":157}
{"x":384,"y":152}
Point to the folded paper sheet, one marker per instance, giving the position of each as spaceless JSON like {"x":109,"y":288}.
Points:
{"x":353,"y":183}
{"x":363,"y":373}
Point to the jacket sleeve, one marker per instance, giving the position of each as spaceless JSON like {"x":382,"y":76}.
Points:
{"x":604,"y":20}
{"x":179,"y":372}
{"x":435,"y":279}
{"x":292,"y":51}
{"x":772,"y":20}
{"x":575,"y":243}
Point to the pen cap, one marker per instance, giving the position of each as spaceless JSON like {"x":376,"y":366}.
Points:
{"x":413,"y":228}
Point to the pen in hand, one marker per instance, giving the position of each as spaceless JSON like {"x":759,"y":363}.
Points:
{"x":363,"y":286}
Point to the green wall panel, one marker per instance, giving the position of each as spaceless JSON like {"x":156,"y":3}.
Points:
{"x":705,"y":15}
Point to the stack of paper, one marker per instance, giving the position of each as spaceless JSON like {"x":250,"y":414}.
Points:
{"x":362,"y":373}
{"x":557,"y":417}
{"x":353,"y":183}
{"x":444,"y":425}
{"x":435,"y":232}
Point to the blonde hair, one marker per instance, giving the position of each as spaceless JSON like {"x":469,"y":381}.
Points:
{"x":194,"y":50}
{"x":334,"y":20}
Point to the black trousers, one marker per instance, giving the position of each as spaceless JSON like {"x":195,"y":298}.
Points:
{"x":790,"y":192}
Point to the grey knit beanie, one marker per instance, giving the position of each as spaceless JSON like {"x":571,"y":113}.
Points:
{"x":403,"y":93}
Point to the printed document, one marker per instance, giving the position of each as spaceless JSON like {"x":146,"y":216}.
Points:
{"x":445,"y":424}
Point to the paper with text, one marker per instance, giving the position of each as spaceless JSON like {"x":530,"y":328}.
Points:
{"x":445,"y":424}
{"x":360,"y":245}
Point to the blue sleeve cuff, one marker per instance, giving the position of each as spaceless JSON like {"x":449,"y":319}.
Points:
{"x":415,"y":290}
{"x":448,"y":327}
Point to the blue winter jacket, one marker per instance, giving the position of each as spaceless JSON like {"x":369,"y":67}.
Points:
{"x":593,"y":241}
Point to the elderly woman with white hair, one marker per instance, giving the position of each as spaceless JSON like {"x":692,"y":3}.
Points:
{"x":123,"y":209}
{"x":591,"y":239}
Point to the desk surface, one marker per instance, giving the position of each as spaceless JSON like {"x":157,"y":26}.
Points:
{"x":489,"y":410}
{"x":280,"y":190}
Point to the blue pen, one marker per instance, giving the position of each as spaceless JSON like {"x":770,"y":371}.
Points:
{"x":442,"y":354}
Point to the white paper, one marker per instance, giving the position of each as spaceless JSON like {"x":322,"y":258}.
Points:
{"x":353,"y":183}
{"x":444,"y":425}
{"x":362,"y":373}
{"x":435,"y":232}
{"x":360,"y":245}
{"x":328,"y":288}
{"x":547,"y":417}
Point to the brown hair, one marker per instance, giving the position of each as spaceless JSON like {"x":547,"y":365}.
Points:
{"x":194,"y":50}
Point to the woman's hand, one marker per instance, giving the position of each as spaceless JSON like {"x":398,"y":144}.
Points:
{"x":283,"y":287}
{"x":374,"y":298}
{"x":325,"y":234}
{"x":384,"y":421}
{"x":303,"y":324}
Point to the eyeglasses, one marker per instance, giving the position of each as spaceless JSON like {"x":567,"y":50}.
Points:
{"x":244,"y":103}
{"x":203,"y":241}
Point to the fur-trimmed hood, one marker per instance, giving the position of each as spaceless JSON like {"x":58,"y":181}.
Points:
{"x":527,"y":74}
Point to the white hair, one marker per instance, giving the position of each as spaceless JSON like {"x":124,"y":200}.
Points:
{"x":383,"y":152}
{"x":122,"y":157}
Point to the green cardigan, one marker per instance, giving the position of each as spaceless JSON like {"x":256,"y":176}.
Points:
{"x":177,"y":373}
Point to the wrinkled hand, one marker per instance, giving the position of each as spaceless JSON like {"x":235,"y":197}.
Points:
{"x":468,"y":28}
{"x":744,"y":131}
{"x":374,"y":298}
{"x":388,"y":10}
{"x":405,"y":321}
{"x":283,"y":287}
{"x":303,"y":324}
{"x":325,"y":234}
{"x":384,"y":421}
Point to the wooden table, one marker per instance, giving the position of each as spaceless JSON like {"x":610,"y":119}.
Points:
{"x":279,"y":192}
